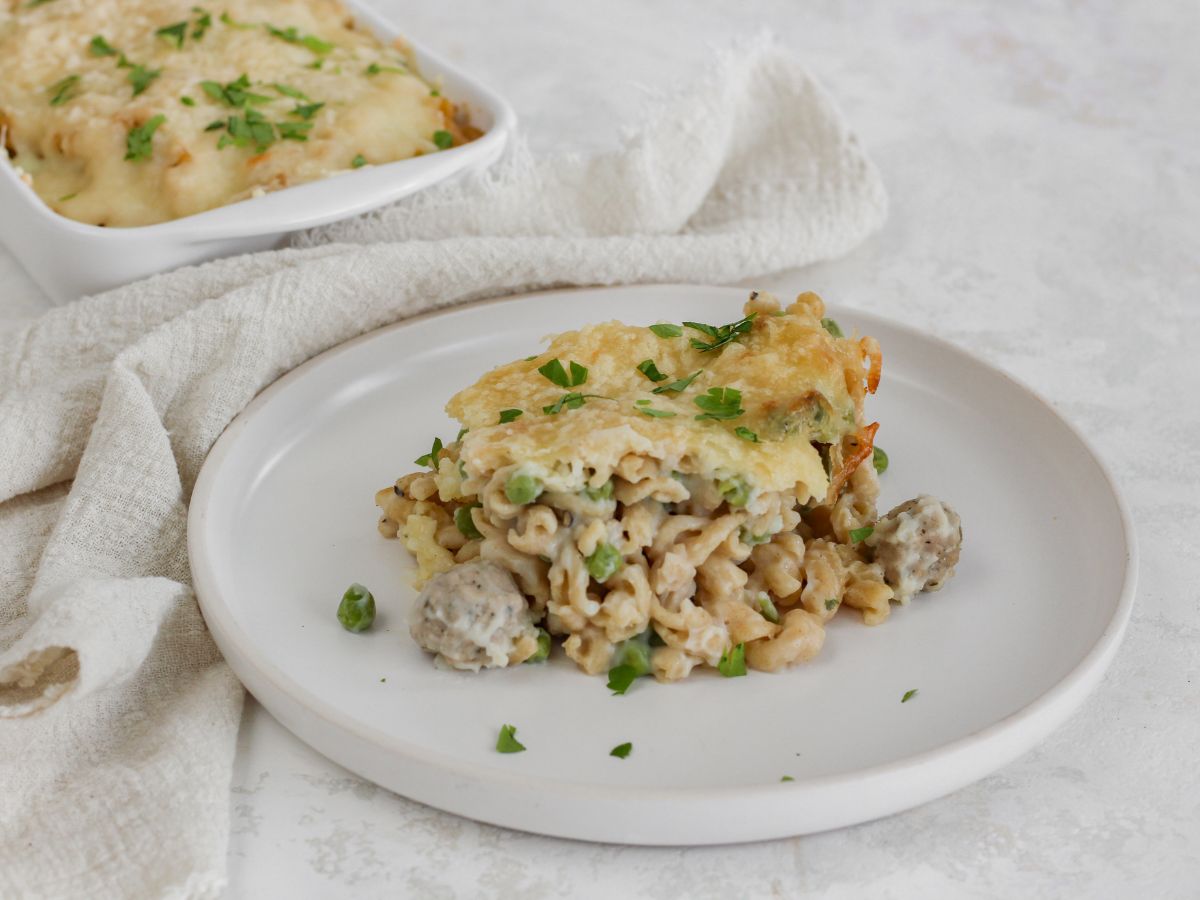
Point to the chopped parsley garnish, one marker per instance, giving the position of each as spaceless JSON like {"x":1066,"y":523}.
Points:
{"x":908,"y":695}
{"x":139,"y":142}
{"x":861,"y":534}
{"x":719,"y":335}
{"x":235,"y":94}
{"x":358,"y":162}
{"x":140,"y":77}
{"x":879,"y":459}
{"x":187,"y":101}
{"x":213,"y":126}
{"x":506,"y":741}
{"x":746,"y":434}
{"x":832,"y":327}
{"x":620,"y":678}
{"x":678,"y":385}
{"x":227,"y":19}
{"x":64,"y":90}
{"x":430,"y":459}
{"x":32,"y":3}
{"x":289,"y":91}
{"x":100,"y":47}
{"x":65,"y":197}
{"x":443,"y":140}
{"x":306,"y":110}
{"x":203,"y":23}
{"x":572,"y":400}
{"x":654,"y":413}
{"x":174,"y":33}
{"x":769,"y":612}
{"x":621,"y":750}
{"x":461,"y":432}
{"x":786,"y":778}
{"x":465,"y":524}
{"x":720,"y":403}
{"x":733,"y":662}
{"x":832,"y":603}
{"x":252,"y":128}
{"x":650,"y":370}
{"x":510,"y":415}
{"x":666,"y":330}
{"x":630,"y":662}
{"x":554,"y":372}
{"x":292,"y":36}
{"x":543,"y":647}
{"x":375,"y":68}
{"x":294,"y":131}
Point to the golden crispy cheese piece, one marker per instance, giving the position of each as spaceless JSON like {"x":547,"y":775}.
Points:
{"x":798,"y":385}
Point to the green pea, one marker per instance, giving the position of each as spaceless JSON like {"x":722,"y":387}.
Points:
{"x":543,"y":650}
{"x":604,"y":561}
{"x":464,"y":523}
{"x":522,"y":489}
{"x":753,"y":540}
{"x":769,"y":612}
{"x":604,"y":492}
{"x":635,"y":653}
{"x":880,"y":460}
{"x":735,"y":491}
{"x":356,"y":612}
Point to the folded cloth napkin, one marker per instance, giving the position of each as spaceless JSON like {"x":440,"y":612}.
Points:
{"x":117,"y":715}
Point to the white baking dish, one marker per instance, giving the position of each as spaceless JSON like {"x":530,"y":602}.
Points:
{"x":69,"y":259}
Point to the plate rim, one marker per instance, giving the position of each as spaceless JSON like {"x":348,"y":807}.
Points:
{"x":1038,"y":718}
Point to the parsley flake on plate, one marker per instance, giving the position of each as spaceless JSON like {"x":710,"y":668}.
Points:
{"x":908,"y":695}
{"x":879,"y":460}
{"x":786,"y":778}
{"x":621,"y":751}
{"x":506,"y":741}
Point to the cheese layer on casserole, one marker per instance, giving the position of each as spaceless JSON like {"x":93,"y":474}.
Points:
{"x":83,"y":81}
{"x":796,"y":385}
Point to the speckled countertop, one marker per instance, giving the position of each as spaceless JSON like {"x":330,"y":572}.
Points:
{"x":1044,"y":170}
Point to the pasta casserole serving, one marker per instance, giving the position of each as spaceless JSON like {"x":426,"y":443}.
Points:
{"x":663,"y":498}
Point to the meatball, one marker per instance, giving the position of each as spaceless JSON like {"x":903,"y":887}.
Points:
{"x":473,"y":617}
{"x":917,"y":545}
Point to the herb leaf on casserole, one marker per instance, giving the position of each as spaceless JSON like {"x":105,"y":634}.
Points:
{"x":509,"y":415}
{"x":358,"y":162}
{"x":666,"y":330}
{"x":832,"y":327}
{"x":64,"y":90}
{"x":289,"y":91}
{"x":375,"y":69}
{"x":252,"y":128}
{"x":572,"y":400}
{"x":174,"y":33}
{"x":554,"y":372}
{"x":650,"y":370}
{"x":431,"y":458}
{"x":733,"y":662}
{"x":308,"y":41}
{"x":139,"y":142}
{"x":100,"y":47}
{"x":746,"y":434}
{"x":720,"y":403}
{"x":227,"y":19}
{"x":654,"y":413}
{"x":720,"y":335}
{"x":203,"y":23}
{"x":236,"y":93}
{"x":306,"y":110}
{"x":140,"y":77}
{"x":294,"y":131}
{"x":677,"y":386}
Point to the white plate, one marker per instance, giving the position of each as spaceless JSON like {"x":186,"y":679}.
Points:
{"x":282,"y":520}
{"x":68,"y":258}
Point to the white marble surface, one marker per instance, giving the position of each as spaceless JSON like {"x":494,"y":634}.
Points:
{"x":1044,"y":167}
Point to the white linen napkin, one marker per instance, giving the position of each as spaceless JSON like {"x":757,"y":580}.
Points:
{"x":117,"y":715}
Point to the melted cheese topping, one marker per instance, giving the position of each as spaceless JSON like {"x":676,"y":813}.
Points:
{"x":74,"y":150}
{"x":798,"y":384}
